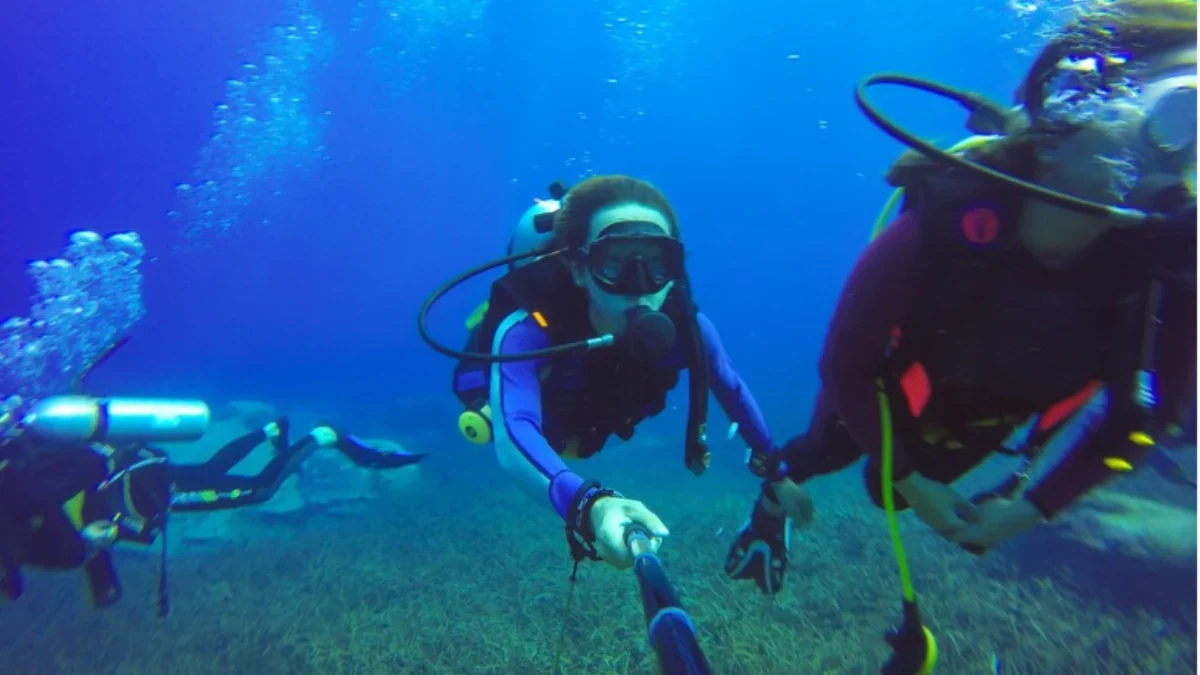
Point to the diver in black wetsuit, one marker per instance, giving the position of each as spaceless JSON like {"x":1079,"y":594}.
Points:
{"x":64,"y":502}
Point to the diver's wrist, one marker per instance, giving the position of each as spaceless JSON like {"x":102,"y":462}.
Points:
{"x":769,"y":464}
{"x":1036,"y":501}
{"x":769,"y":502}
{"x":911,"y":486}
{"x":1030,"y":513}
{"x":579,"y":517}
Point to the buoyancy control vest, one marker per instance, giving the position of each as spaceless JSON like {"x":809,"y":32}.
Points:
{"x":58,"y":494}
{"x":999,"y":332}
{"x":994,"y":325}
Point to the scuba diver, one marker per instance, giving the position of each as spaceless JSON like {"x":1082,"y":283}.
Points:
{"x":78,"y":475}
{"x":581,"y":340}
{"x":1035,"y":296}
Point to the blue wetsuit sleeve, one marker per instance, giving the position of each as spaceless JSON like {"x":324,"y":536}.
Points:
{"x":516,"y":402}
{"x":731,"y":392}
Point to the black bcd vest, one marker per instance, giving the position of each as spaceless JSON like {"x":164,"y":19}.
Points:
{"x":592,"y":394}
{"x":996,"y":329}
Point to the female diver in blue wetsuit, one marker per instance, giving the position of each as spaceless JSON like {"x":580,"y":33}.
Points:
{"x":583,"y":343}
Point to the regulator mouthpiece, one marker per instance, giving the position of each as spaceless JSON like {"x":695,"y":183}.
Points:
{"x":649,"y":335}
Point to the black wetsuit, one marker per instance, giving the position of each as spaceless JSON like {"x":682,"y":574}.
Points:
{"x":49,"y":495}
{"x":1028,"y":344}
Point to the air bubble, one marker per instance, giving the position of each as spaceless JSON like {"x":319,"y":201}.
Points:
{"x":80,"y":308}
{"x":85,"y":237}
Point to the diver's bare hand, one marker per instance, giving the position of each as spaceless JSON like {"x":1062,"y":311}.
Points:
{"x":1000,"y":519}
{"x":791,"y":499}
{"x":610,"y":517}
{"x":938,"y":505}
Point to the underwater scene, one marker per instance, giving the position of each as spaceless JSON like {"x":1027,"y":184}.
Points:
{"x":357,"y":337}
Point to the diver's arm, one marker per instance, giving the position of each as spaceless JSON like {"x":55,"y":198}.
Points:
{"x":1082,"y":466}
{"x":516,"y":402}
{"x":731,"y":392}
{"x":881,"y":293}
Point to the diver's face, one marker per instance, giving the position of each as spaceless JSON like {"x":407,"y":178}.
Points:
{"x":1131,"y":139}
{"x":1131,"y":148}
{"x":607,"y":309}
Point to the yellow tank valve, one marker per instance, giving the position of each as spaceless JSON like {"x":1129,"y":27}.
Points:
{"x":476,"y":425}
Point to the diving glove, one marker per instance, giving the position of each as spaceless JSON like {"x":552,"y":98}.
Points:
{"x":761,"y":549}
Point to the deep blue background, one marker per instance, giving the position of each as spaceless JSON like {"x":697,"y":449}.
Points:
{"x":105,"y":106}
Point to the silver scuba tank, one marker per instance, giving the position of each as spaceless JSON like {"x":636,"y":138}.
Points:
{"x":85,"y":419}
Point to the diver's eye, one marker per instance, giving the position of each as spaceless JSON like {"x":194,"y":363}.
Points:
{"x":611,"y":268}
{"x":659,"y":272}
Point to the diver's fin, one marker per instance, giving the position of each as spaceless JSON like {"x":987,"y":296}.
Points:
{"x":395,"y":459}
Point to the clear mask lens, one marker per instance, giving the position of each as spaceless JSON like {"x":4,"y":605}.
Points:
{"x":1171,"y":124}
{"x":635,"y":265}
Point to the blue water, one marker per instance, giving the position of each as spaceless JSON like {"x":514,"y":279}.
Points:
{"x":408,"y":136}
{"x":430,"y":155}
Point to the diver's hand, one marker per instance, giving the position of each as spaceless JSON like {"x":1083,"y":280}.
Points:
{"x":610,"y":516}
{"x":998,"y":520}
{"x":938,"y":505}
{"x":793,"y":500}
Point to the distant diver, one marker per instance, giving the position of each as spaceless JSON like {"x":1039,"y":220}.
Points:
{"x":78,"y":475}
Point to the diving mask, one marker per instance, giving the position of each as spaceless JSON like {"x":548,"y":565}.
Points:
{"x":1170,"y":122}
{"x":1160,"y":97}
{"x":634,"y":258}
{"x":1124,"y":131}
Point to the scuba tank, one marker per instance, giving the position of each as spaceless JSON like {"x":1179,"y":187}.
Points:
{"x":84,"y":419}
{"x":533,"y":232}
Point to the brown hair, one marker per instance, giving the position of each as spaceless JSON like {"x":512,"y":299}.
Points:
{"x":1127,"y":26}
{"x":573,"y":221}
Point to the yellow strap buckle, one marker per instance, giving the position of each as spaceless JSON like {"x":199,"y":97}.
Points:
{"x":1118,"y":464}
{"x":1141,"y":438}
